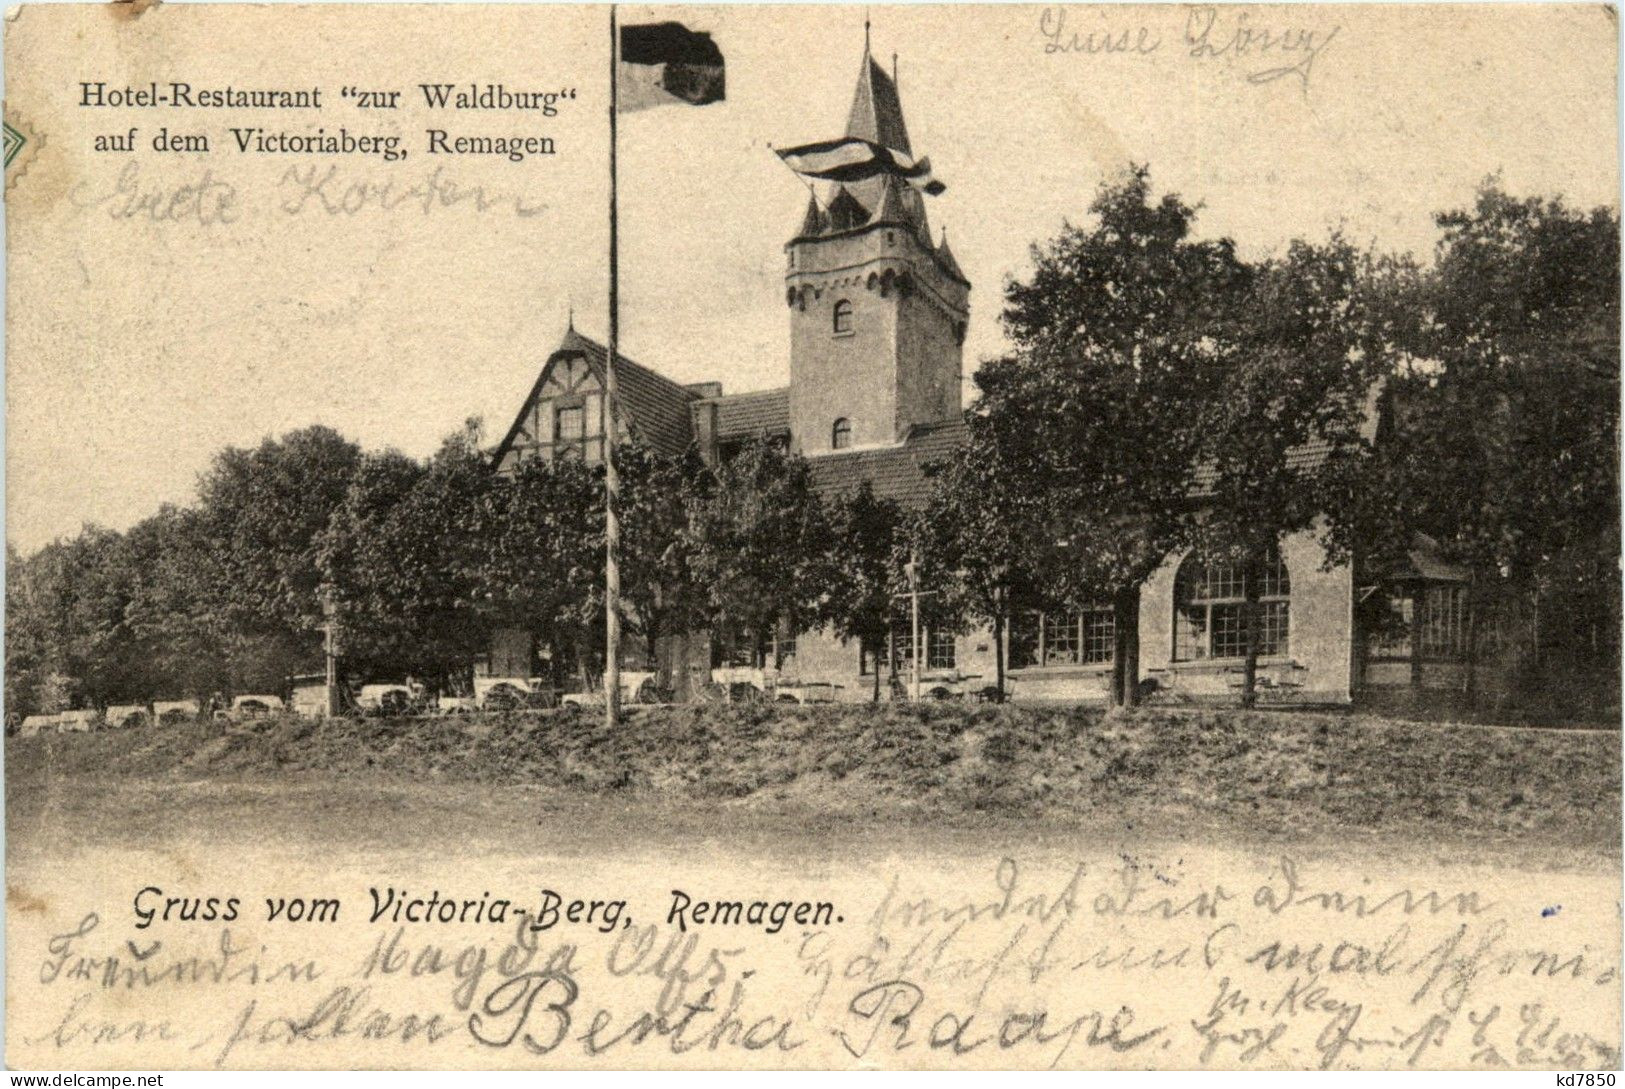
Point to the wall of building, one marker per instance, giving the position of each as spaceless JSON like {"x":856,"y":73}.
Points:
{"x":834,"y":375}
{"x":1320,"y":641}
{"x":1316,"y":667}
{"x":928,"y":355}
{"x":901,"y":363}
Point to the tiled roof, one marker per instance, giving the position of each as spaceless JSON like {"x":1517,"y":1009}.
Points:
{"x":899,"y":472}
{"x":753,"y":413}
{"x":877,"y":116}
{"x":1303,"y":457}
{"x":656,"y":406}
{"x":877,"y":113}
{"x":894,"y":472}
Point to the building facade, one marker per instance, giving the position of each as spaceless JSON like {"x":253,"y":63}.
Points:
{"x":878,"y":309}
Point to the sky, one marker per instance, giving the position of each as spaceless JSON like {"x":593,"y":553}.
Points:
{"x":142,"y":341}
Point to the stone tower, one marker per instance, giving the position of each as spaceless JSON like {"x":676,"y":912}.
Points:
{"x":877,"y":309}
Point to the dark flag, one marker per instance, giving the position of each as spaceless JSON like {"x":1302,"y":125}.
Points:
{"x":664,"y":64}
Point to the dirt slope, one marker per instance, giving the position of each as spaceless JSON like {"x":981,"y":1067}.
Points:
{"x":1297,"y":772}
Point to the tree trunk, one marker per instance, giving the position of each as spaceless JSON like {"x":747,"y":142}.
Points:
{"x":998,"y":655}
{"x":1252,"y":583}
{"x":1125,"y":647}
{"x":1418,"y":592}
{"x":1470,"y":680}
{"x":1114,"y":693}
{"x":874,"y":665}
{"x":891,"y":667}
{"x":1131,"y":649}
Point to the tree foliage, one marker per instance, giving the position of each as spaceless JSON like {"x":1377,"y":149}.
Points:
{"x":1123,"y":334}
{"x":1323,"y":324}
{"x":757,"y":545}
{"x":1502,"y":443}
{"x":866,"y":534}
{"x":659,"y":494}
{"x":1160,"y":394}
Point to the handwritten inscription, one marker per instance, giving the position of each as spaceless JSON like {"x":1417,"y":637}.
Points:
{"x":1266,"y":52}
{"x":1114,"y":962}
{"x":207,"y":198}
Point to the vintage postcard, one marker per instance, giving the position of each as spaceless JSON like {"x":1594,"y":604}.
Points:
{"x":764,"y":537}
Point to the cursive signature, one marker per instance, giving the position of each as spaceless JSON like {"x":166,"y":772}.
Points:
{"x":1285,"y":50}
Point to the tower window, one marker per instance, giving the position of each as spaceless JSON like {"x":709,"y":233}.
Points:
{"x":843,"y":317}
{"x":840,"y":436}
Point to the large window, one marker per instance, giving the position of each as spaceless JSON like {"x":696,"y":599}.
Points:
{"x":1209,"y":602}
{"x":902,"y":647}
{"x":736,"y":647}
{"x":1442,"y":623}
{"x":938,"y":645}
{"x":1062,"y":639}
{"x":843,"y":317}
{"x":784,"y":647}
{"x":1390,"y":627}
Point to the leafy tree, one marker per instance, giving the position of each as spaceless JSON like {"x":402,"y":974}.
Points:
{"x":542,"y":567}
{"x":372,"y":573}
{"x":758,"y":543}
{"x":1504,"y":439}
{"x":865,"y":536}
{"x":404,"y":559}
{"x":174,"y":614}
{"x":33,"y":637}
{"x":658,"y":588}
{"x":976,"y":549}
{"x":1122,"y":336}
{"x":1323,"y":322}
{"x":405,"y":563}
{"x":264,"y":512}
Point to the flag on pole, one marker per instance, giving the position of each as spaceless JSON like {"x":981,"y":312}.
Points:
{"x":666,"y":64}
{"x":652,"y":64}
{"x":851,"y":159}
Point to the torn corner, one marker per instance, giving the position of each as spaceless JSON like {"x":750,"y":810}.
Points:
{"x":132,"y":9}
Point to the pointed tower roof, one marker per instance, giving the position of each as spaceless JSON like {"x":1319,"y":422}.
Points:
{"x":946,"y":257}
{"x":846,"y":211}
{"x":813,"y":223}
{"x":877,"y":113}
{"x":877,"y":116}
{"x":900,"y":204}
{"x":892,"y":207}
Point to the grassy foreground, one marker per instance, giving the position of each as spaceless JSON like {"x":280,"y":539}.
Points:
{"x":1269,"y":772}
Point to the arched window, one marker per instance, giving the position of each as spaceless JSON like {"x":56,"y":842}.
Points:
{"x":840,"y":436}
{"x":843,"y":316}
{"x":1209,"y":604}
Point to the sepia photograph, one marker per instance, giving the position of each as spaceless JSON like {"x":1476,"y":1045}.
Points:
{"x":812,"y":537}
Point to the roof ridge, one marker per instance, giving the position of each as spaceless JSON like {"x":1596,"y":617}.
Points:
{"x":775,"y":390}
{"x":620,"y":359}
{"x":877,"y":111}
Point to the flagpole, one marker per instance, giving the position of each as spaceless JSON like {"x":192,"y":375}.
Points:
{"x":811,"y":191}
{"x":612,"y":528}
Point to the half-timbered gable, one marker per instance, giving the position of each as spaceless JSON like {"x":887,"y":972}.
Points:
{"x":564,"y":415}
